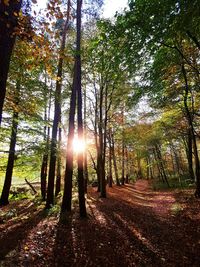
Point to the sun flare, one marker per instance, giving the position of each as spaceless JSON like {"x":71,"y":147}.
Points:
{"x":78,"y":145}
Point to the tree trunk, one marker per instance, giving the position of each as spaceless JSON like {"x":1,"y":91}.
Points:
{"x":67,"y":194}
{"x":162,"y":168}
{"x":57,"y":114}
{"x":127,"y":166}
{"x":85,"y":140}
{"x":43,"y":172}
{"x":100,"y":161}
{"x":8,"y":22}
{"x":148,"y":169}
{"x":43,"y":175}
{"x":123,"y":148}
{"x":160,"y":175}
{"x":176,"y":157}
{"x":11,"y":157}
{"x":81,"y":188}
{"x":110,"y":179}
{"x":97,"y":140}
{"x":189,"y":155}
{"x":59,"y":165}
{"x":151,"y":167}
{"x":76,"y":87}
{"x":191,"y":129}
{"x":139,"y":171}
{"x":115,"y":161}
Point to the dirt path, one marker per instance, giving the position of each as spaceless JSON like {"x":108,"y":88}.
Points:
{"x":134,"y":226}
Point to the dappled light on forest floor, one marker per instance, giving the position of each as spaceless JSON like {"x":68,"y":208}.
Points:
{"x":134,"y":227}
{"x":161,"y":202}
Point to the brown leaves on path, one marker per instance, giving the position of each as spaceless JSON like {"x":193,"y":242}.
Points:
{"x":134,"y":226}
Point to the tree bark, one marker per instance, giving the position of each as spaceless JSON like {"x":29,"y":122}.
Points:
{"x":11,"y":158}
{"x":8,"y":22}
{"x":43,"y":172}
{"x":115,"y":161}
{"x":190,"y":155}
{"x":110,"y":179}
{"x":85,"y":140}
{"x":123,"y":148}
{"x":127,"y":166}
{"x":81,"y":188}
{"x":101,"y":168}
{"x":59,"y":164}
{"x":162,"y":168}
{"x":57,"y":114}
{"x":191,"y":128}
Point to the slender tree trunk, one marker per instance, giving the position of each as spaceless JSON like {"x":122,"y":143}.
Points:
{"x":96,"y":122}
{"x":43,"y":175}
{"x":151,"y":167}
{"x":127,"y":166}
{"x":172,"y":160}
{"x":57,"y":114}
{"x":162,"y":168}
{"x":59,"y":165}
{"x":101,"y":147}
{"x":191,"y":128}
{"x":148,"y":169}
{"x":110,"y":179}
{"x":123,"y":148}
{"x":160,"y":175}
{"x":115,"y":161}
{"x":8,"y":22}
{"x":98,"y":169}
{"x":11,"y":157}
{"x":85,"y":140}
{"x":178,"y":169}
{"x":189,"y":155}
{"x":43,"y":172}
{"x":103,"y":181}
{"x":139,"y":172}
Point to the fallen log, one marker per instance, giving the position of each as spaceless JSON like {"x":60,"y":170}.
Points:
{"x":31,"y":186}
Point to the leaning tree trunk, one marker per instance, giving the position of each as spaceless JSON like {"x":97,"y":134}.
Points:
{"x":57,"y":114}
{"x":11,"y":157}
{"x":8,"y":22}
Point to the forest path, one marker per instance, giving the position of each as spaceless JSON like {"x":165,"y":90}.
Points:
{"x":133,"y":226}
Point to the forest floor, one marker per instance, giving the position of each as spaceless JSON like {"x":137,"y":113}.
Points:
{"x":133,"y":226}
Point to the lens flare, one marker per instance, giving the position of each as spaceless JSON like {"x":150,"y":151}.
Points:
{"x":78,"y":145}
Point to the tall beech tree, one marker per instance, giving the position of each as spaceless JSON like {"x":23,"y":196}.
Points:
{"x":57,"y":113}
{"x":76,"y":95}
{"x":11,"y":157}
{"x":81,"y":187}
{"x":9,"y":12}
